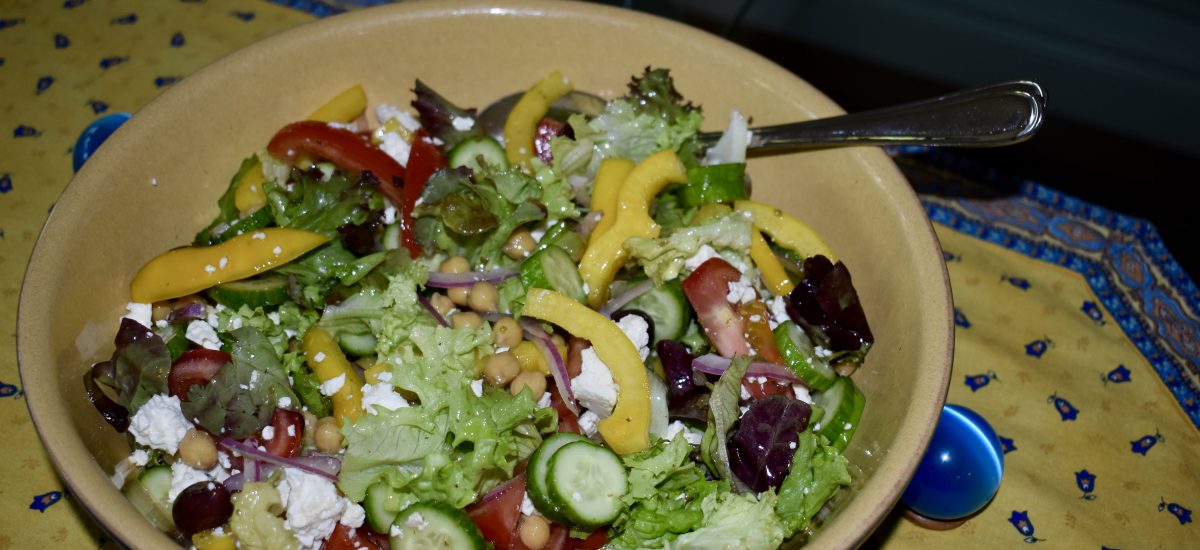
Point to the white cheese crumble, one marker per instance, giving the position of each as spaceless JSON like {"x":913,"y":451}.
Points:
{"x":343,"y":125}
{"x":587,"y":423}
{"x":821,"y":351}
{"x":477,"y":387}
{"x":320,"y":356}
{"x":223,"y":262}
{"x":745,"y":395}
{"x":277,"y":250}
{"x":141,"y":313}
{"x":741,"y":291}
{"x":779,"y":314}
{"x":693,"y":437}
{"x":381,"y":395}
{"x":268,"y":433}
{"x":203,"y":334}
{"x":462,"y":123}
{"x":705,"y":254}
{"x":285,"y":402}
{"x":594,"y":387}
{"x":259,"y":235}
{"x":313,"y":506}
{"x":331,"y":386}
{"x":416,"y":521}
{"x":544,"y":400}
{"x":182,"y":477}
{"x":386,"y":111}
{"x":527,"y":508}
{"x":802,"y":393}
{"x":389,"y":213}
{"x":160,"y":424}
{"x":139,"y":458}
{"x":638,"y":331}
{"x":354,"y":516}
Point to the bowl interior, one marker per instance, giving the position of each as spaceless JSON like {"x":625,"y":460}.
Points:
{"x":152,"y":185}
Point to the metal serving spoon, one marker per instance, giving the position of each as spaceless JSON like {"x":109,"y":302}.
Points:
{"x":991,"y":116}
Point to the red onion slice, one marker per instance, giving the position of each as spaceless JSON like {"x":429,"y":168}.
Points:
{"x":433,"y":312}
{"x":466,"y":279}
{"x":193,"y":310}
{"x":715,"y":364}
{"x":558,"y":369}
{"x":235,"y":482}
{"x":588,"y":224}
{"x":503,"y":488}
{"x":326,"y":467}
{"x":629,"y":295}
{"x":250,"y":470}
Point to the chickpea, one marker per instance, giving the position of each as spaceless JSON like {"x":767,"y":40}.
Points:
{"x":310,"y":428}
{"x":506,"y":333}
{"x":160,"y":311}
{"x":459,"y":296}
{"x":328,"y":438}
{"x":466,"y":319}
{"x":535,"y":381}
{"x":501,"y":368}
{"x":483,"y":297}
{"x":455,"y":264}
{"x":198,"y":450}
{"x":441,"y":303}
{"x":520,"y":244}
{"x":534,"y":532}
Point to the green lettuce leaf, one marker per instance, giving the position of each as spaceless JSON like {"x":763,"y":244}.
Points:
{"x":227,"y":211}
{"x":397,"y":440}
{"x":322,"y":202}
{"x":140,"y":364}
{"x":723,"y":413}
{"x":732,"y":521}
{"x":663,"y":258}
{"x":818,"y":472}
{"x":256,"y":520}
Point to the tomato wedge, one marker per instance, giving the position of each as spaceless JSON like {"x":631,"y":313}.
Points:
{"x":288,"y":428}
{"x":758,"y":332}
{"x":349,"y":538}
{"x":497,"y":514}
{"x":194,"y":366}
{"x":706,"y":288}
{"x":595,"y":541}
{"x":759,"y":390}
{"x":347,"y":150}
{"x":424,"y":159}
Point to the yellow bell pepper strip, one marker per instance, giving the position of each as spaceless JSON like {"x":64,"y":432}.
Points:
{"x":709,"y":210}
{"x":326,"y":360}
{"x":772,"y":271}
{"x":372,"y":374}
{"x":250,"y":195}
{"x":210,"y":540}
{"x":188,"y":270}
{"x":606,"y":254}
{"x":344,"y":107}
{"x":521,"y":125}
{"x":785,"y":230}
{"x":627,"y":430}
{"x":530,"y":358}
{"x":606,"y":190}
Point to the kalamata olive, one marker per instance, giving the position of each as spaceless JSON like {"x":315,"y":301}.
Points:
{"x":200,"y":507}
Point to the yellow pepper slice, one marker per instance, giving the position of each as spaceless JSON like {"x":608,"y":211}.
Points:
{"x":326,"y":360}
{"x":250,"y":195}
{"x":627,"y":430}
{"x":210,"y":540}
{"x":708,"y":210}
{"x":785,"y":230}
{"x":372,"y":374}
{"x":605,"y":255}
{"x":530,"y":358}
{"x":772,"y":272}
{"x":344,"y":107}
{"x":521,"y":125}
{"x":189,"y":270}
{"x":606,"y":190}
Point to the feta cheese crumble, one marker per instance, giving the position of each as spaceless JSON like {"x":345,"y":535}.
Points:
{"x":587,"y":423}
{"x":638,"y":331}
{"x":381,"y":395}
{"x":203,"y":334}
{"x":705,"y":254}
{"x":693,"y":437}
{"x":313,"y":506}
{"x":741,"y":291}
{"x":477,"y":387}
{"x":331,"y":386}
{"x":160,"y":424}
{"x":141,"y":313}
{"x":182,"y":477}
{"x":778,"y":310}
{"x":544,"y":400}
{"x":462,"y":123}
{"x":594,"y":387}
{"x":527,"y":508}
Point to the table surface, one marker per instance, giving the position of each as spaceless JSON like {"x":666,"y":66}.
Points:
{"x":1076,"y":332}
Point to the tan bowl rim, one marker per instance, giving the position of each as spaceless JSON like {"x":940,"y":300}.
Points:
{"x":875,"y":497}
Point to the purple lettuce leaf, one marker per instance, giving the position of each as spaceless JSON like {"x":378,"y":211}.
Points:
{"x":762,"y":446}
{"x":826,"y":305}
{"x":437,"y":116}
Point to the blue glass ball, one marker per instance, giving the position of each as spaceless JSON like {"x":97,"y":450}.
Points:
{"x":961,"y":469}
{"x":90,"y":139}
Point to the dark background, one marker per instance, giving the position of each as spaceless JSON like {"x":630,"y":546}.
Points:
{"x":1142,"y":163}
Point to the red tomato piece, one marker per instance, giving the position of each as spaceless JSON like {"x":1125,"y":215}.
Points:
{"x":594,"y":542}
{"x":567,"y":421}
{"x":288,"y":428}
{"x":497,"y":514}
{"x":349,"y":538}
{"x":706,"y":288}
{"x":759,"y":390}
{"x":345,"y":149}
{"x":194,"y":366}
{"x":758,"y":331}
{"x":424,"y":159}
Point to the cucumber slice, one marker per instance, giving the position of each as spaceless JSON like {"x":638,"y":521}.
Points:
{"x":668,"y":307}
{"x":587,"y":481}
{"x":797,"y":350}
{"x":391,"y":237}
{"x":256,"y":220}
{"x":551,"y":268}
{"x":262,"y":291}
{"x":566,"y":238}
{"x":715,"y":183}
{"x":659,"y":413}
{"x":539,"y":465}
{"x":426,"y":525}
{"x":382,"y":505}
{"x":843,"y":405}
{"x":469,"y":151}
{"x":358,"y":345}
{"x":148,"y":493}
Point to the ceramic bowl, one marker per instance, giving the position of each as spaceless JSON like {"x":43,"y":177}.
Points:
{"x":155,"y":182}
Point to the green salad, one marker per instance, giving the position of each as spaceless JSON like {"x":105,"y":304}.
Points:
{"x":401,"y":332}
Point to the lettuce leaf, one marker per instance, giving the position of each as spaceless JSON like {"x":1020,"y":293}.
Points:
{"x":666,"y":490}
{"x":140,"y":364}
{"x":733,"y":521}
{"x":242,"y":396}
{"x":818,"y":471}
{"x":256,"y":520}
{"x":663,"y":258}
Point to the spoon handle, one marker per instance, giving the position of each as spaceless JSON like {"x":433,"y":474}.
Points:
{"x":991,"y":116}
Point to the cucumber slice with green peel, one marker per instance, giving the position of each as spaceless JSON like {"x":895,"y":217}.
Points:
{"x":256,"y":220}
{"x":262,"y":291}
{"x":800,"y":355}
{"x":587,"y":481}
{"x":468,"y":152}
{"x":148,"y":493}
{"x":566,"y":238}
{"x":667,"y":307}
{"x":552,"y":268}
{"x":843,"y":405}
{"x":359,"y":345}
{"x":382,"y":504}
{"x":539,"y":465}
{"x":434,"y":525}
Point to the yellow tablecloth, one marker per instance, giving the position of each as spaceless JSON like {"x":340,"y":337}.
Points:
{"x":1077,"y":335}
